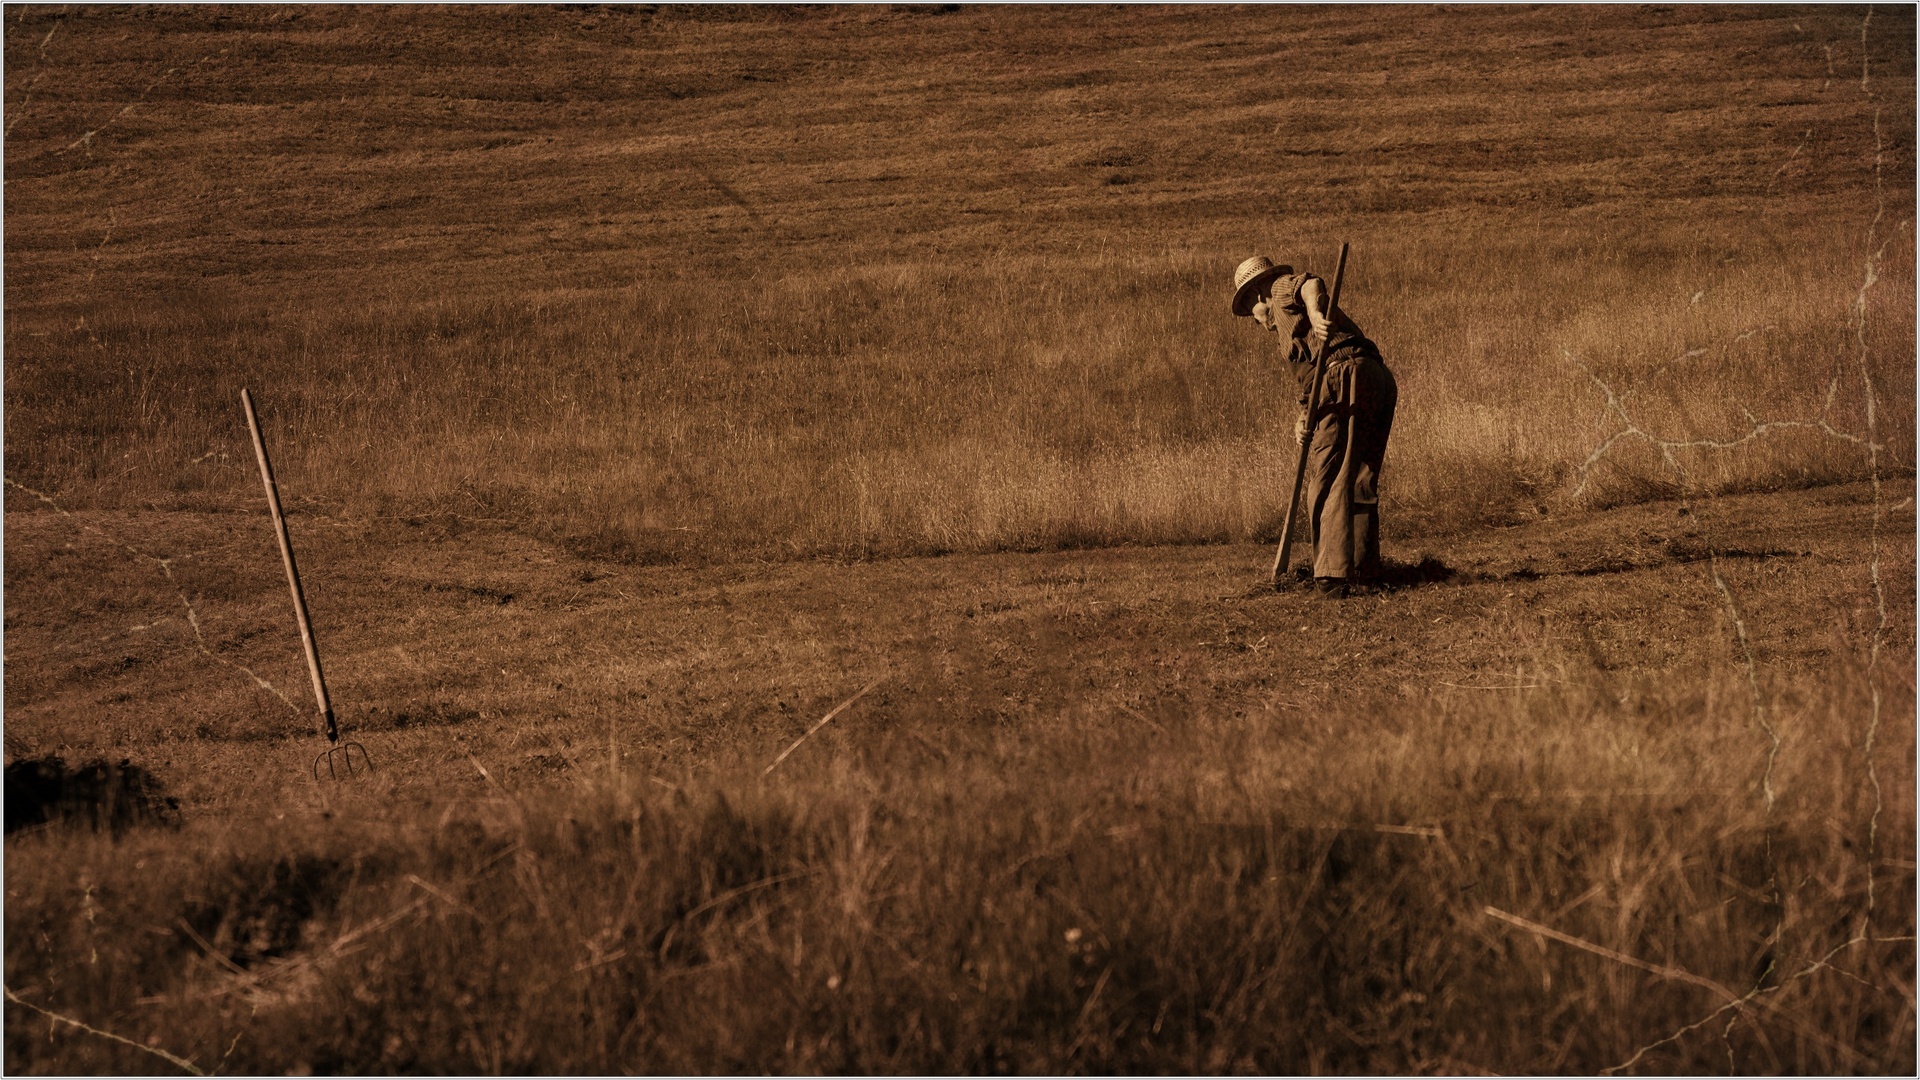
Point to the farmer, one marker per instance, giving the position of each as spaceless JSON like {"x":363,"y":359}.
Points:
{"x":1348,"y":431}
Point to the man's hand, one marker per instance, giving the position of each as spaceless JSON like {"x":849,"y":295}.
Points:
{"x":1300,"y":429}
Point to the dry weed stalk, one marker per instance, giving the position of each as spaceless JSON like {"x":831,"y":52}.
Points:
{"x":1663,"y":972}
{"x":820,"y":723}
{"x":144,"y":1048}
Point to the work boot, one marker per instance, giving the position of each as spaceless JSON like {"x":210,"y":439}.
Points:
{"x":1330,"y":588}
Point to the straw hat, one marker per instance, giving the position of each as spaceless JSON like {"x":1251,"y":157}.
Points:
{"x":1252,"y":274}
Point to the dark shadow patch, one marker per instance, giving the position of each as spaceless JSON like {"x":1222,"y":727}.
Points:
{"x":1392,"y":576}
{"x":1395,"y":575}
{"x":630,"y":547}
{"x":260,"y":909}
{"x":418,"y":714}
{"x":1533,"y":573}
{"x":478,"y":592}
{"x":43,"y":791}
{"x":1690,"y":550}
{"x":1604,"y":566}
{"x":555,"y":764}
{"x":1674,"y":551}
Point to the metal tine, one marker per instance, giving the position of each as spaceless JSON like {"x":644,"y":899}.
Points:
{"x":345,"y":750}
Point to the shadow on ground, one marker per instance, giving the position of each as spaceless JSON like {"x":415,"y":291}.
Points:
{"x":1392,"y":577}
{"x":44,"y":791}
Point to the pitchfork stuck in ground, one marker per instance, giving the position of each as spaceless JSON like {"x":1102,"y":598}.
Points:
{"x":332,"y":730}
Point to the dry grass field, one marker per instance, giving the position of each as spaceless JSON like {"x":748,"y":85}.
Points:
{"x":645,"y":382}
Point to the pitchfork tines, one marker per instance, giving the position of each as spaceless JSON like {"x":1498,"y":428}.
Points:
{"x":343,"y":749}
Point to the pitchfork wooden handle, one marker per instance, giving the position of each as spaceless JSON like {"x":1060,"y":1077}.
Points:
{"x":1313,"y":406}
{"x":293,"y":572}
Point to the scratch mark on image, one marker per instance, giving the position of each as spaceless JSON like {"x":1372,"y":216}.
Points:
{"x":39,"y":71}
{"x":1876,"y":247}
{"x":166,"y":569}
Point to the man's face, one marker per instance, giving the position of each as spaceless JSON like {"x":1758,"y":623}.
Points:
{"x":1263,"y":312}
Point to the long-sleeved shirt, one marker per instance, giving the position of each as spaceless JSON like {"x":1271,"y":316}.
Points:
{"x":1300,"y":338}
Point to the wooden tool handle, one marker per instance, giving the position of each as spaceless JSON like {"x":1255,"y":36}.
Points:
{"x":293,"y":573}
{"x":1313,"y":406}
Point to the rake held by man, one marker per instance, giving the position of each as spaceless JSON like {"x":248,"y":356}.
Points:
{"x":1347,"y":398}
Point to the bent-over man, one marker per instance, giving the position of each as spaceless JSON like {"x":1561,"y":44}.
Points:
{"x":1348,"y":431}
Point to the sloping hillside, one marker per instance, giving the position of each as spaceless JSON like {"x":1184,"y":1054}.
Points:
{"x":593,"y":147}
{"x":705,"y":282}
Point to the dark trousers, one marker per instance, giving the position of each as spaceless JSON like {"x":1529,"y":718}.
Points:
{"x":1343,"y":466}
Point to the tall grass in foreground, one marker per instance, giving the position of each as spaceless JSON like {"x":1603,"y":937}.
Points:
{"x":1033,"y":402}
{"x":1192,"y":894}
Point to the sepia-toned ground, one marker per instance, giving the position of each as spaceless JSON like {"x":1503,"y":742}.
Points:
{"x":785,"y":512}
{"x":1565,"y":679}
{"x":441,"y":645}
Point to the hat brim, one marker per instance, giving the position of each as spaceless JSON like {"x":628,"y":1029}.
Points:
{"x":1243,"y":296}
